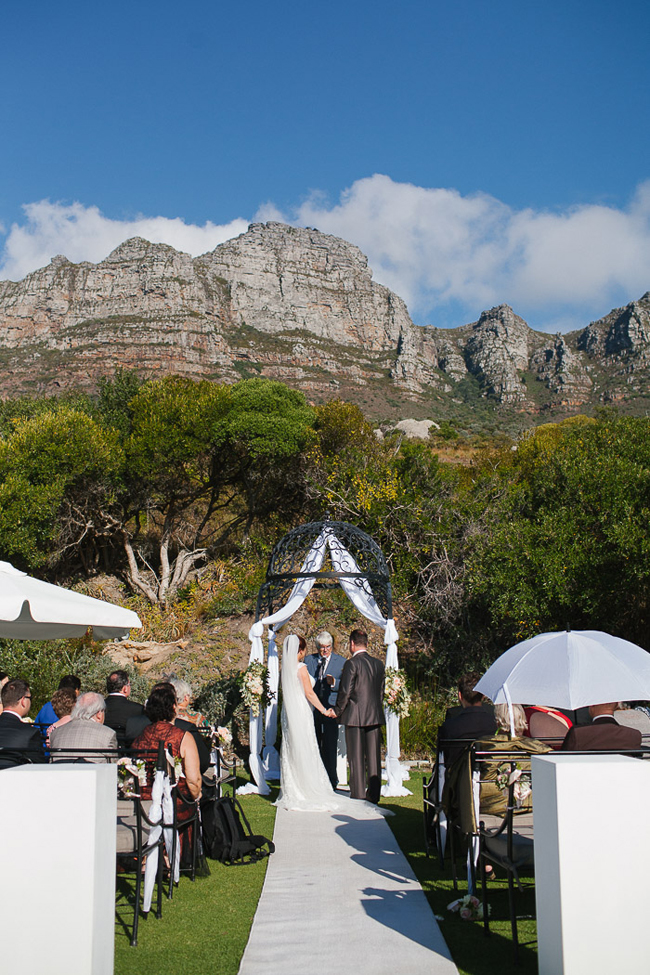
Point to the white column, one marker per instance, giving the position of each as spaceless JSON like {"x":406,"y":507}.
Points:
{"x":57,"y":897}
{"x":592,"y":861}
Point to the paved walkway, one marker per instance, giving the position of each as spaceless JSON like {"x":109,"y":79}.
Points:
{"x":340,"y":898}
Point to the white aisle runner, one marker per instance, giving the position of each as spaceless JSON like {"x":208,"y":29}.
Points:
{"x":339,"y":897}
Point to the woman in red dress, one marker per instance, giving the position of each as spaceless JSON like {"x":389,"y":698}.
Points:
{"x":161,"y":711}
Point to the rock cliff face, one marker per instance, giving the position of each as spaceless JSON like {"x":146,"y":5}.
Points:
{"x":300,"y":306}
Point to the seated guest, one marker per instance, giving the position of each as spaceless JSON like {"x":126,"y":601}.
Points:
{"x":192,"y":721}
{"x":495,"y":774}
{"x":118,"y":706}
{"x":633,"y":716}
{"x":63,"y":702}
{"x":20,"y":742}
{"x":161,"y":711}
{"x":471,"y":721}
{"x":603,"y":734}
{"x":47,"y":715}
{"x":85,"y":729}
{"x":547,"y":724}
{"x":184,"y":710}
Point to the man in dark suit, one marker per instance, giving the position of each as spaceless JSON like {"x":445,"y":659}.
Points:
{"x":471,"y":721}
{"x":326,"y":668}
{"x":118,"y":707}
{"x":359,"y":706}
{"x":15,"y":733}
{"x":603,"y":734}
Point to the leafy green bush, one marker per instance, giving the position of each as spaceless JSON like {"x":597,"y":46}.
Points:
{"x":43,"y":663}
{"x":419,"y":731}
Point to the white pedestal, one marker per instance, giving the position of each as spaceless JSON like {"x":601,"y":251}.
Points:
{"x":57,"y":896}
{"x":592,"y":862}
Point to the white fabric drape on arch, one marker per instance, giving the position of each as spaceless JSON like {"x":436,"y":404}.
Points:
{"x":299,"y":593}
{"x":362,"y":597}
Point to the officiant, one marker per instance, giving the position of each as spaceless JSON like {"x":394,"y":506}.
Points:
{"x":325,"y":667}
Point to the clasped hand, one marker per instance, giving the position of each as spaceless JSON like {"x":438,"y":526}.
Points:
{"x":330,"y":713}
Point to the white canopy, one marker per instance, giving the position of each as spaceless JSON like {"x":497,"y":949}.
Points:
{"x":362,"y":597}
{"x":35,"y":610}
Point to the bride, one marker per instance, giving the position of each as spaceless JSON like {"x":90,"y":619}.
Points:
{"x":304,"y":783}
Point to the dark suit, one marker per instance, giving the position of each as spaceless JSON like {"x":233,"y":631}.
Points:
{"x":470,"y":723}
{"x":359,"y":706}
{"x":605,"y":734}
{"x":21,"y":736}
{"x":118,"y":711}
{"x":327,"y":729}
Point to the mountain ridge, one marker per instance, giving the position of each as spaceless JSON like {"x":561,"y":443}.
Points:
{"x":300,"y":306}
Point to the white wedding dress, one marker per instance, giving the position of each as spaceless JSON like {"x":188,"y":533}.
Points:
{"x":304,"y":783}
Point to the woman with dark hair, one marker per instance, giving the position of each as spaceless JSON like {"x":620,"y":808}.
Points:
{"x":161,"y":711}
{"x":63,"y":702}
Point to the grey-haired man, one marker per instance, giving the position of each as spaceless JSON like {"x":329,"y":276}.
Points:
{"x":326,"y":667}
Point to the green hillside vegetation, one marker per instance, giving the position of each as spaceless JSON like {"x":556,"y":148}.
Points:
{"x":177,"y":491}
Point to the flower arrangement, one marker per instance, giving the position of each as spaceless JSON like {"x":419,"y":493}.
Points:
{"x":469,"y":908}
{"x":222,"y":736}
{"x":175,"y":762}
{"x":506,"y":776}
{"x":126,"y":768}
{"x":397,"y":697}
{"x":255,"y":687}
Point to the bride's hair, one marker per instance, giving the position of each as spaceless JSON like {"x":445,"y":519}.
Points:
{"x":302,"y":645}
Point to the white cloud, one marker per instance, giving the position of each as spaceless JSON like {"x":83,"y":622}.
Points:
{"x":435,"y":246}
{"x":85,"y":234}
{"x":444,"y":253}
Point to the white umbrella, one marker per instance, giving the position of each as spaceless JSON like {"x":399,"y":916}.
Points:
{"x":569,"y":669}
{"x":35,"y":610}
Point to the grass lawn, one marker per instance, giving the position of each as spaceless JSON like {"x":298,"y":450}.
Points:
{"x":473,"y":953}
{"x":204,"y":929}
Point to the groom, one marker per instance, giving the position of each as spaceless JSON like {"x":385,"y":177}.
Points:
{"x":359,"y":706}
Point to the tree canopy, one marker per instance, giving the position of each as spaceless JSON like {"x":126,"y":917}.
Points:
{"x":151,"y":480}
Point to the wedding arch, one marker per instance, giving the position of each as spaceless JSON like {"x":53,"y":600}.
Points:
{"x":295,"y":568}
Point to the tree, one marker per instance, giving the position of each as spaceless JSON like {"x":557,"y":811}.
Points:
{"x":569,"y":542}
{"x":184,"y":468}
{"x":48,"y":460}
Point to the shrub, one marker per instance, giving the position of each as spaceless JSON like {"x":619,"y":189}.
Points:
{"x":419,"y":731}
{"x":43,"y":663}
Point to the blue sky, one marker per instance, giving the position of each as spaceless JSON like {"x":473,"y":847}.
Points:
{"x":477,"y":151}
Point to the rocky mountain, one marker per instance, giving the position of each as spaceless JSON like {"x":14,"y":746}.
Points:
{"x":299,"y":306}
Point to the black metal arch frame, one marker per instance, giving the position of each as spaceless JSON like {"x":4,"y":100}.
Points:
{"x":288,"y":556}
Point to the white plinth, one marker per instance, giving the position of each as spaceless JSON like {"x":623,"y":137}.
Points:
{"x":592,"y":862}
{"x":57,"y":896}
